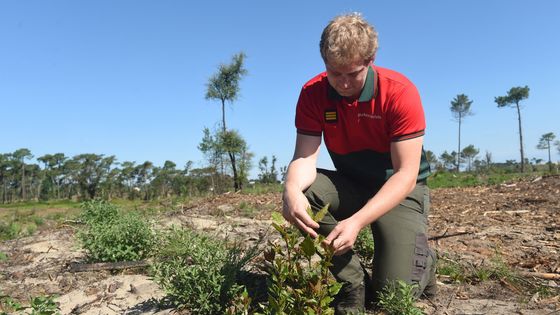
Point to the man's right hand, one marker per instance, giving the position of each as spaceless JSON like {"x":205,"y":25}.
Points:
{"x":294,"y":210}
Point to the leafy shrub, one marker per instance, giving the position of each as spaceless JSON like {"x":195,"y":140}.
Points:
{"x":3,"y":257}
{"x":200,"y":273}
{"x":297,"y":285}
{"x":397,"y":298}
{"x":40,"y":305}
{"x":111,"y":236}
{"x":98,"y":212}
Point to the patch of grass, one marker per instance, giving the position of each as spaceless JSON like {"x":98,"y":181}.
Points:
{"x":545,"y":291}
{"x":24,"y":219}
{"x":38,"y":220}
{"x":55,"y":216}
{"x":3,"y":257}
{"x":448,"y":267}
{"x":246,"y":209}
{"x":10,"y":230}
{"x":201,"y":273}
{"x":500,"y":270}
{"x":258,"y":189}
{"x":40,"y":205}
{"x":30,"y":229}
{"x":444,"y":179}
{"x":494,"y":269}
{"x":397,"y":298}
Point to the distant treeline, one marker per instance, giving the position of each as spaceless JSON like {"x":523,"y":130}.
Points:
{"x":89,"y":176}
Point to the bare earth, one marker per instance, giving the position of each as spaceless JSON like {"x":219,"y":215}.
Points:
{"x":517,"y":222}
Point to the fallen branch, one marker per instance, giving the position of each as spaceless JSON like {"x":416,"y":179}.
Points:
{"x":445,"y":235}
{"x":77,"y":267}
{"x":541,"y":275}
{"x":508,"y":212}
{"x":81,"y":308}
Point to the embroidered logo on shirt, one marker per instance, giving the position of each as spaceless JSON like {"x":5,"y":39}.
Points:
{"x":364,"y":115}
{"x":331,"y":116}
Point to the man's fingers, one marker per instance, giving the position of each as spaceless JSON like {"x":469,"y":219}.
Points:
{"x":306,"y":219}
{"x":302,"y":226}
{"x":331,"y":238}
{"x":342,"y":250}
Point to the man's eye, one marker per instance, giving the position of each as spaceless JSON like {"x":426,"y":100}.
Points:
{"x":355,"y":74}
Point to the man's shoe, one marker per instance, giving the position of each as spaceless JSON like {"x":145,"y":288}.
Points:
{"x":351,"y":302}
{"x":431,"y":288}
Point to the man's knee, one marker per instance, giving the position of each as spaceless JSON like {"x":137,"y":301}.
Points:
{"x":321,"y":193}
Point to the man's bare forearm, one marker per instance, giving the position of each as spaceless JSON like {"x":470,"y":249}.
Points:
{"x":301,"y":174}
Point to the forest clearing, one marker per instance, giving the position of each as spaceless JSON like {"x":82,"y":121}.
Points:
{"x":498,"y":249}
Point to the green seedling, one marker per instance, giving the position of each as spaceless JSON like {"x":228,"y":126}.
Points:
{"x":297,"y":283}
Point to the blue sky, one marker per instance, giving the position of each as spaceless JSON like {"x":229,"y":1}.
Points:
{"x":128,"y":78}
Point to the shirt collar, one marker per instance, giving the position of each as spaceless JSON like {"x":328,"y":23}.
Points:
{"x":369,"y":91}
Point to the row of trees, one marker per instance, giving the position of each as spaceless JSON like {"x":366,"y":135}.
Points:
{"x":461,"y":108}
{"x":87,"y":176}
{"x":450,"y":161}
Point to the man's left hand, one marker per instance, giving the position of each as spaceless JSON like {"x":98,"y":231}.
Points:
{"x":343,"y":236}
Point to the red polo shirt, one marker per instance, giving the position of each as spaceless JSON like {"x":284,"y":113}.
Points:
{"x":358,"y":133}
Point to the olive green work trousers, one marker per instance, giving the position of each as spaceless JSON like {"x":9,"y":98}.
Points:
{"x":401,"y":250}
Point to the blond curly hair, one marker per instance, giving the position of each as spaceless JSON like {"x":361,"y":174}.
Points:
{"x":348,"y":38}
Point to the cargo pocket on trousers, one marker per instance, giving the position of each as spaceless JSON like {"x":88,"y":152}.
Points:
{"x":420,"y":258}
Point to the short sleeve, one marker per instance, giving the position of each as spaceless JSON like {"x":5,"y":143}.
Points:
{"x":308,"y":116}
{"x":406,"y":119}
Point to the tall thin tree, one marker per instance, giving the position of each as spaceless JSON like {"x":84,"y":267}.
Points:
{"x":545,"y":144}
{"x":224,"y":86}
{"x":513,"y":97}
{"x":20,"y":156}
{"x":460,"y":108}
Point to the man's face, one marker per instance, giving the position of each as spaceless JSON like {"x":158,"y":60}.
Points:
{"x":348,"y":80}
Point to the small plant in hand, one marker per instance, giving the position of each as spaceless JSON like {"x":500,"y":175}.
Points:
{"x":200,"y":273}
{"x":39,"y":305}
{"x":111,"y":235}
{"x":297,"y":284}
{"x":397,"y":298}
